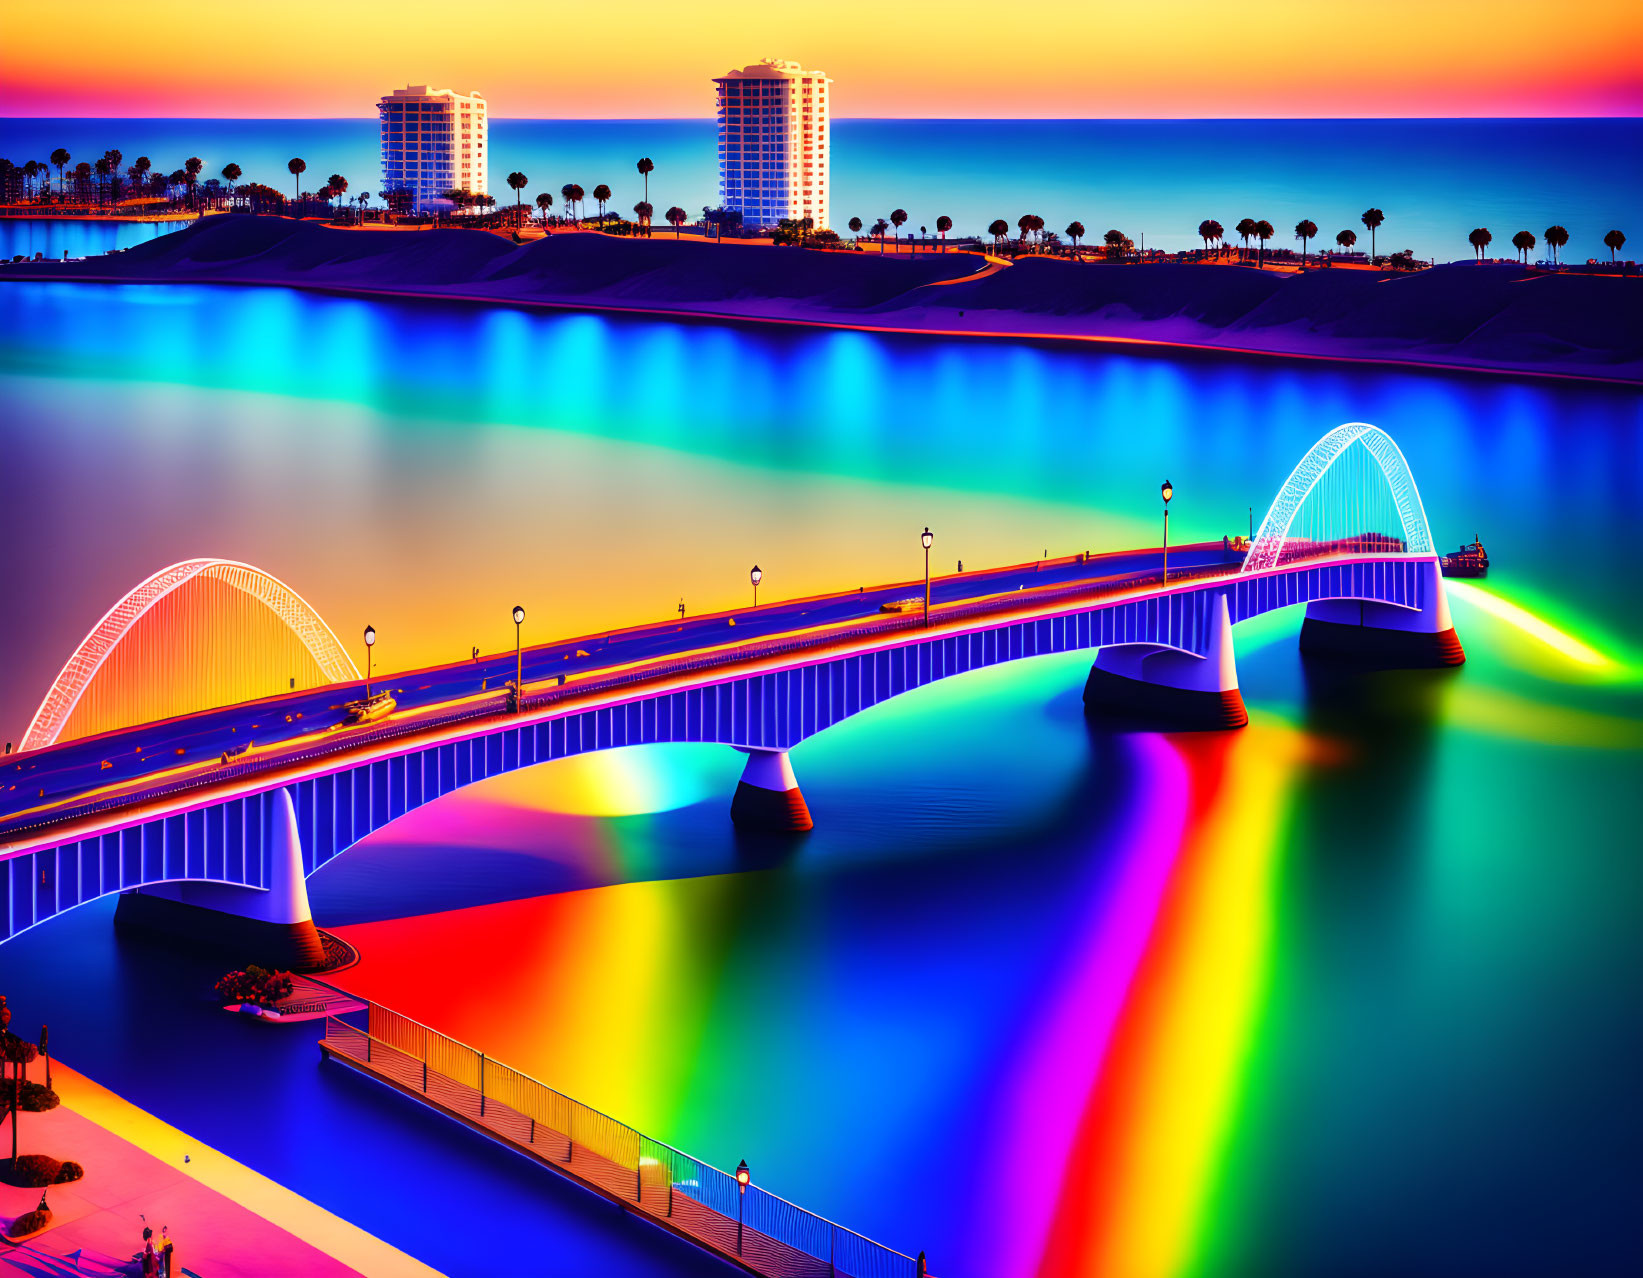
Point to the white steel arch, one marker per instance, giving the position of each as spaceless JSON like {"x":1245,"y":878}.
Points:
{"x":88,"y":658}
{"x":1265,"y":551}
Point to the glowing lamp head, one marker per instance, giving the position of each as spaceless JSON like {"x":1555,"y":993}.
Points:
{"x":757,"y":575}
{"x":926,"y":538}
{"x":1168,"y":490}
{"x":370,"y":635}
{"x":743,"y":1177}
{"x":518,"y":614}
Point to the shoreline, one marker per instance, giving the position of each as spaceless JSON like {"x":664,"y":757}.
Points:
{"x":1499,"y":320}
{"x":737,"y":318}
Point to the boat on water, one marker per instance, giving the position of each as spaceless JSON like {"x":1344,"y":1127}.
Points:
{"x":234,"y":752}
{"x":1468,"y":561}
{"x":369,"y":709}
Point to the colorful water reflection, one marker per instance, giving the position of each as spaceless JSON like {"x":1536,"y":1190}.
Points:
{"x":1355,"y":989}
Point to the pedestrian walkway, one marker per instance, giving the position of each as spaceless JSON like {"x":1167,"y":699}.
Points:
{"x":229,"y":1221}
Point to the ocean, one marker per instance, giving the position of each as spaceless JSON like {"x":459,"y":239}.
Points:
{"x":1155,"y":180}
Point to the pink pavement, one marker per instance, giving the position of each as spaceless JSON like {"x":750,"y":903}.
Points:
{"x":228,"y":1221}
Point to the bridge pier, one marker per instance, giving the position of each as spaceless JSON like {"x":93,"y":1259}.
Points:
{"x":270,"y":926}
{"x":1386,"y":635}
{"x":768,"y":795}
{"x":1168,"y":687}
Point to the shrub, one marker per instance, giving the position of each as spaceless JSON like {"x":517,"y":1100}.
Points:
{"x":36,"y":1171}
{"x":70,"y":1170}
{"x":28,"y":1223}
{"x":37,"y":1098}
{"x":255,"y":985}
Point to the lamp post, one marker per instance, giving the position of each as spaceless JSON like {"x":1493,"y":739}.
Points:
{"x":756,"y":576}
{"x":927,"y":539}
{"x":370,"y":642}
{"x":518,"y":659}
{"x":743,"y":1177}
{"x":1169,"y":491}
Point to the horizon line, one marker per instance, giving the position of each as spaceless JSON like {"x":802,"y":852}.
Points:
{"x":933,"y":119}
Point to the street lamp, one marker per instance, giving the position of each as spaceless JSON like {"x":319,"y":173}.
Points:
{"x":756,"y":576}
{"x":927,"y":539}
{"x":1169,"y":491}
{"x":743,"y":1178}
{"x":518,"y":660}
{"x":370,"y":642}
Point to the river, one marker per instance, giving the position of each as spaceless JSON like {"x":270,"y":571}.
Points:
{"x":1359,"y":988}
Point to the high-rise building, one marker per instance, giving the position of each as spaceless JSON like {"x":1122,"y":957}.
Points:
{"x":433,"y":141}
{"x":773,"y":143}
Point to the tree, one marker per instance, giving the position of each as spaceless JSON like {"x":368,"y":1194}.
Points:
{"x":1245,"y":229}
{"x":1480,"y":239}
{"x":646,"y":168}
{"x":297,"y":168}
{"x":1372,"y":218}
{"x":945,"y":224}
{"x":143,"y":165}
{"x":1615,"y":240}
{"x":1557,"y":237}
{"x":1524,"y":243}
{"x":544,"y":201}
{"x":998,"y":228}
{"x":572,"y":195}
{"x":1024,"y":225}
{"x":1306,"y":229}
{"x":878,"y":229}
{"x":517,"y":181}
{"x":230,"y":172}
{"x":1207,"y":232}
{"x":1346,"y":239}
{"x":337,"y":185}
{"x":60,"y":157}
{"x":677,"y":216}
{"x":897,"y":217}
{"x":1075,"y":232}
{"x":1264,"y":231}
{"x":601,"y":193}
{"x":643,"y":211}
{"x":115,"y":159}
{"x":17,"y":1053}
{"x":855,"y":226}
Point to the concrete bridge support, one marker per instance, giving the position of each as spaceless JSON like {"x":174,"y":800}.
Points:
{"x":768,"y":796}
{"x":1170,"y":688}
{"x":270,"y":926}
{"x":1386,"y":635}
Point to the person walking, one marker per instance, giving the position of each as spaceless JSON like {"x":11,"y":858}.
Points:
{"x":151,"y":1262}
{"x":168,"y":1253}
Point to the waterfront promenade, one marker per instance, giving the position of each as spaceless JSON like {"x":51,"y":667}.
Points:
{"x":229,"y":1221}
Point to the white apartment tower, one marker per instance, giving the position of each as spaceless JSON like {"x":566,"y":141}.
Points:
{"x":433,"y":141}
{"x":773,"y":143}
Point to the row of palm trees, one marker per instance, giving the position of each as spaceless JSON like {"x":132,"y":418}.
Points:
{"x":1556,"y":238}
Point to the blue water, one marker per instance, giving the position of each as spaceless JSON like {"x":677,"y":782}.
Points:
{"x":78,"y":238}
{"x":1434,"y":179}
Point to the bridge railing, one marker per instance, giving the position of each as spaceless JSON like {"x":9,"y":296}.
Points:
{"x":765,"y":1233}
{"x":666,"y":668}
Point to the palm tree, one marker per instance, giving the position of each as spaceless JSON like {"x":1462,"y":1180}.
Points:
{"x":517,"y":180}
{"x":362,"y":197}
{"x":1306,"y":229}
{"x":1480,"y":239}
{"x":297,"y":168}
{"x":143,"y":165}
{"x":1245,"y":228}
{"x":60,"y":157}
{"x":1372,"y":218}
{"x":897,"y":217}
{"x":573,"y":197}
{"x":1264,"y":231}
{"x":1557,"y":237}
{"x":114,"y":158}
{"x":998,"y":229}
{"x":642,"y":211}
{"x":646,"y":168}
{"x":943,"y":225}
{"x":1206,"y":232}
{"x":82,"y":179}
{"x":1346,"y":239}
{"x":601,"y":193}
{"x":1524,"y":243}
{"x":1024,"y":224}
{"x":544,"y":201}
{"x":878,"y":229}
{"x":677,"y":216}
{"x":337,"y":185}
{"x":1615,"y":240}
{"x":1075,"y":232}
{"x":1114,"y":240}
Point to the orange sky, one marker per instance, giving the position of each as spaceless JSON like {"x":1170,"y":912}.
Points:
{"x":646,"y":58}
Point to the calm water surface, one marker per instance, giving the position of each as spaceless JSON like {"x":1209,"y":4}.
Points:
{"x":1358,"y":989}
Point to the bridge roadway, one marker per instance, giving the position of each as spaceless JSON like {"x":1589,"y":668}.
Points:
{"x":132,"y":764}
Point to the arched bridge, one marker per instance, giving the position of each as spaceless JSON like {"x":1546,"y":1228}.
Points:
{"x":1346,"y":536}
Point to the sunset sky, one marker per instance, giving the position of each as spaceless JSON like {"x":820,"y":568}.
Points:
{"x":647,"y":59}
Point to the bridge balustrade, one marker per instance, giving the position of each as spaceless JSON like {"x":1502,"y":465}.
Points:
{"x":763,"y":1232}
